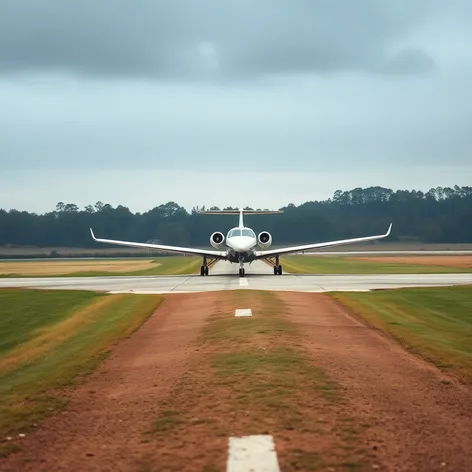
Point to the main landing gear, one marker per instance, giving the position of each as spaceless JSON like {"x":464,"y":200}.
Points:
{"x":277,"y":266}
{"x":204,"y":267}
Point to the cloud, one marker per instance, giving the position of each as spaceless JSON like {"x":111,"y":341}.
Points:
{"x":209,"y":39}
{"x":409,"y":61}
{"x":270,"y":100}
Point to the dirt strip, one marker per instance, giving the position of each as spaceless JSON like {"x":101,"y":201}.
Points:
{"x":418,"y":419}
{"x":102,"y":429}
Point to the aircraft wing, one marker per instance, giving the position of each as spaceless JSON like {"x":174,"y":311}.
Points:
{"x":162,"y":247}
{"x":306,"y":247}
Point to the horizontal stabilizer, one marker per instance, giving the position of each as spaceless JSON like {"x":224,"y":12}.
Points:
{"x":237,"y":212}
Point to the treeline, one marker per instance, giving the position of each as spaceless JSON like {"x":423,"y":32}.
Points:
{"x":438,"y":216}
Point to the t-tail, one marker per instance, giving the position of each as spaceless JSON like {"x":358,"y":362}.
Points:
{"x":241,"y":212}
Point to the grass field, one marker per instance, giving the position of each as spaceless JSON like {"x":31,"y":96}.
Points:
{"x":433,"y":322}
{"x":343,"y":265}
{"x":172,"y":265}
{"x":50,"y":339}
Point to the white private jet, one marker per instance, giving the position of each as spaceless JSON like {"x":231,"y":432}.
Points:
{"x":240,"y":244}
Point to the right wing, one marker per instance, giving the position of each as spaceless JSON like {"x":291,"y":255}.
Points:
{"x":306,"y":247}
{"x":162,"y":247}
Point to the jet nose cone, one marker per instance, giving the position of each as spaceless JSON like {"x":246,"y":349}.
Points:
{"x":239,"y":247}
{"x":242,"y":244}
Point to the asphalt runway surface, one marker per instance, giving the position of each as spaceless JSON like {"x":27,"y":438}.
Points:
{"x":386,"y":253}
{"x":224,"y":276}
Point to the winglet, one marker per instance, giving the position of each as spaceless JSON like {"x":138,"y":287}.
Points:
{"x":389,"y":229}
{"x":93,"y":236}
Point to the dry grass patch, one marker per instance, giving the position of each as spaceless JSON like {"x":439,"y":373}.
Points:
{"x":49,"y":268}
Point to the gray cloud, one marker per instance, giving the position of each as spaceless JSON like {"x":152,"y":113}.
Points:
{"x":409,"y":61}
{"x":193,"y":40}
{"x":203,"y":102}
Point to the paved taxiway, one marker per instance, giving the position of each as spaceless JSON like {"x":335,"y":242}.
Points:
{"x":224,"y":276}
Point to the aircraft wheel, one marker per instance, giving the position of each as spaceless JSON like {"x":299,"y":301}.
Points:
{"x":280,"y":270}
{"x":202,"y":270}
{"x":276,"y":270}
{"x":206,"y":270}
{"x":242,"y":272}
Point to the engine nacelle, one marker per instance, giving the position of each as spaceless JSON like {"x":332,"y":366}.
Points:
{"x":217,"y":240}
{"x":264,"y":239}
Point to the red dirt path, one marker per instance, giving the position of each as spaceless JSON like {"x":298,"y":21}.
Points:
{"x":419,"y":419}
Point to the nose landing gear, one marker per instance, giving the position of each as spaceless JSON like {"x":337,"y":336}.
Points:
{"x":242,"y":272}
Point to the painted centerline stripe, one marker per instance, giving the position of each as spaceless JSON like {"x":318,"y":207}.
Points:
{"x":243,"y":312}
{"x":252,"y":454}
{"x":243,"y":282}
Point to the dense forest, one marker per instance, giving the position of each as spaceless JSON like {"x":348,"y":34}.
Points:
{"x":439,"y":215}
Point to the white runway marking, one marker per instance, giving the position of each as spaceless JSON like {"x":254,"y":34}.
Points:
{"x":243,"y":312}
{"x":252,"y":454}
{"x":243,"y":282}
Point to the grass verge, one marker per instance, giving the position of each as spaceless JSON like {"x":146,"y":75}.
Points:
{"x":172,"y":265}
{"x":254,"y":376}
{"x":435,"y":323}
{"x":342,"y":265}
{"x":61,"y":350}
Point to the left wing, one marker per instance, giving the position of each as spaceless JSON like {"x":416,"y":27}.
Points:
{"x":162,"y":247}
{"x":288,"y":250}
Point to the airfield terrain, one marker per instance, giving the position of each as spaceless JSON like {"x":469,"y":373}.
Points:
{"x":339,"y":377}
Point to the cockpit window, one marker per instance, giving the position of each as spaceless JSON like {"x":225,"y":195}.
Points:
{"x":248,"y":232}
{"x":234,"y":232}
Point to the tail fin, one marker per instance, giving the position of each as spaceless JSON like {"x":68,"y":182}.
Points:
{"x":241,"y":212}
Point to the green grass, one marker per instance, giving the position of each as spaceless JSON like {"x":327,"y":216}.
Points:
{"x":433,"y":322}
{"x":167,"y":420}
{"x":342,"y":265}
{"x":23,"y":313}
{"x":60,"y":349}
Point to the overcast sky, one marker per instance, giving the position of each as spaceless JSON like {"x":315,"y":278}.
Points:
{"x":207,"y":102}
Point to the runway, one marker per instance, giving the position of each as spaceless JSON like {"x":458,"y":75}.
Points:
{"x":387,"y":253}
{"x":224,"y":276}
